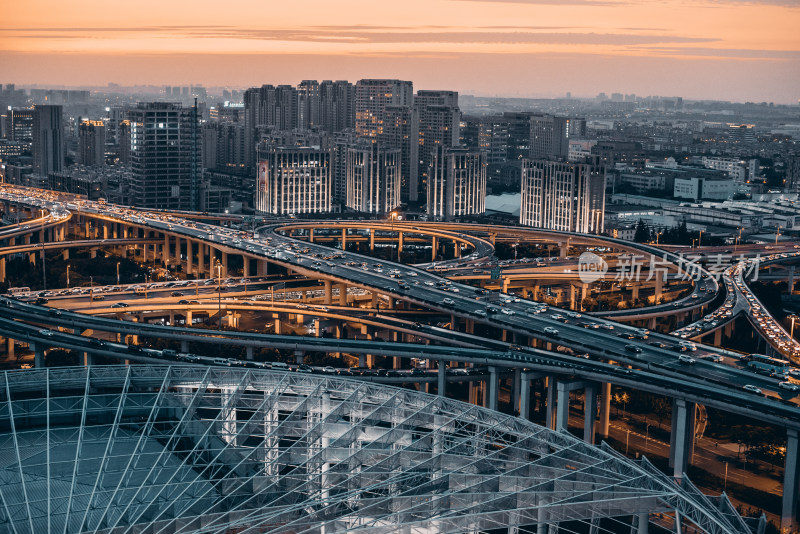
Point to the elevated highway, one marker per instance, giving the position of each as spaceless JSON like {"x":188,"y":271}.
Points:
{"x":656,"y":367}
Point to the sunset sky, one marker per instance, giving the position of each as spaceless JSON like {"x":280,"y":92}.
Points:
{"x":721,"y":49}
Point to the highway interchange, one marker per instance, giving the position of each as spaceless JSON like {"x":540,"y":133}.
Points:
{"x":650,"y":354}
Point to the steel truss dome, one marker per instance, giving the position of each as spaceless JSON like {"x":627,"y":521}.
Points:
{"x":189,"y":449}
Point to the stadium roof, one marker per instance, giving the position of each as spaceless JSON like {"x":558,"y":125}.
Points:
{"x":194,"y":449}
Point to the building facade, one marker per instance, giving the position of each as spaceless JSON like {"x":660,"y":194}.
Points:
{"x":293,"y":180}
{"x":48,"y":140}
{"x":373,"y":178}
{"x":166,"y":156}
{"x":563,"y":196}
{"x":457,"y":183}
{"x":91,"y":143}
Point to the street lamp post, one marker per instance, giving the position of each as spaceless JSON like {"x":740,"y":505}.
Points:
{"x":777,"y":235}
{"x":117,"y":273}
{"x":627,"y":440}
{"x":699,"y":238}
{"x":791,"y":333}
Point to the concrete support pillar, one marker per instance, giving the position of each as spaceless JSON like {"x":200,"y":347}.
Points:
{"x":659,"y":288}
{"x":88,"y":359}
{"x":492,"y":389}
{"x":344,"y":238}
{"x":165,"y":250}
{"x":790,"y":482}
{"x":342,"y":294}
{"x":551,"y":402}
{"x":434,"y":247}
{"x":718,"y":337}
{"x":32,"y":258}
{"x":10,"y":347}
{"x":298,"y":356}
{"x":224,"y":262}
{"x":635,"y":292}
{"x":105,"y":230}
{"x":605,"y":409}
{"x":589,"y":412}
{"x":249,"y":352}
{"x":201,"y":258}
{"x":184,"y":346}
{"x":311,"y":235}
{"x":263,"y":267}
{"x":2,"y":269}
{"x":562,"y":249}
{"x":562,"y":406}
{"x":246,"y":266}
{"x":651,"y":323}
{"x":328,"y":291}
{"x":38,"y":355}
{"x":92,"y":253}
{"x":442,"y":378}
{"x":189,"y":317}
{"x":682,"y":436}
{"x":524,"y":394}
{"x":505,"y":284}
{"x":372,"y":239}
{"x":189,"y":255}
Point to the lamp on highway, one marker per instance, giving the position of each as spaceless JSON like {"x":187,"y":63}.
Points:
{"x":117,"y":273}
{"x":791,"y":333}
{"x":699,"y":238}
{"x":777,"y":235}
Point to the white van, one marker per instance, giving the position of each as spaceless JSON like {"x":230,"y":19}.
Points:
{"x":280,"y":365}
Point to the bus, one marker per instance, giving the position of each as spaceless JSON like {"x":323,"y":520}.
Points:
{"x":18,"y":290}
{"x":767,"y":365}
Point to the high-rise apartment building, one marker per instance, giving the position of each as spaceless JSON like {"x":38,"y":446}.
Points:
{"x":373,"y":178}
{"x":457,"y":183}
{"x":92,"y":143}
{"x":224,"y":146}
{"x":537,"y":135}
{"x":550,"y":135}
{"x":563,"y":196}
{"x":293,"y":180}
{"x":48,"y":140}
{"x":268,"y":105}
{"x":385,"y":115}
{"x":488,"y":133}
{"x":166,"y":156}
{"x":337,"y":105}
{"x":309,"y":104}
{"x":439,"y":125}
{"x":18,"y":125}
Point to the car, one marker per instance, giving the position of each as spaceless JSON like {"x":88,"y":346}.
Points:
{"x":791,"y":386}
{"x":507,"y":311}
{"x":328,"y":369}
{"x":448,"y":301}
{"x":752,"y":389}
{"x":47,"y":333}
{"x":176,"y":294}
{"x":683,"y":358}
{"x":120,"y":305}
{"x":550,"y":330}
{"x":633,"y":348}
{"x":716,"y":358}
{"x":623,"y":370}
{"x":625,"y":335}
{"x":480,"y":313}
{"x":658,"y":344}
{"x":304,"y":369}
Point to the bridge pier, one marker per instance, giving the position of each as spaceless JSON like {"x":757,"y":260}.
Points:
{"x":442,"y":378}
{"x":791,"y":478}
{"x":38,"y":355}
{"x":434,"y":247}
{"x":682,"y":436}
{"x":298,"y":356}
{"x":492,"y":389}
{"x":605,"y":408}
{"x":328,"y":291}
{"x":88,"y":359}
{"x":2,"y":269}
{"x":718,"y":337}
{"x":184,"y":346}
{"x":551,"y":402}
{"x":10,"y":347}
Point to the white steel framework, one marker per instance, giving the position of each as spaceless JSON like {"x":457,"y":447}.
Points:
{"x":187,"y":449}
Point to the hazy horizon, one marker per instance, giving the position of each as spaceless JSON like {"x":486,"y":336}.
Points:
{"x":706,"y":50}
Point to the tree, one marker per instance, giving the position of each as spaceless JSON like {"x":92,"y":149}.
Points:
{"x":642,"y":234}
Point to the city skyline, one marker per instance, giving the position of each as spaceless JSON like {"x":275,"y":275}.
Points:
{"x":728,"y":50}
